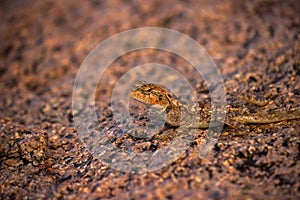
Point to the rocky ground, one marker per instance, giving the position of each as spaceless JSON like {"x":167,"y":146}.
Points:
{"x":43,"y":43}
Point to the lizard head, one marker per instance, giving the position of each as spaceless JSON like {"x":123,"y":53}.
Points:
{"x":153,"y":95}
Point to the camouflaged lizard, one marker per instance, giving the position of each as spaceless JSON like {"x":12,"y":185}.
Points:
{"x":195,"y":115}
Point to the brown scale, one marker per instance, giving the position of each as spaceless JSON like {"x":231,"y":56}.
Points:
{"x":180,"y":113}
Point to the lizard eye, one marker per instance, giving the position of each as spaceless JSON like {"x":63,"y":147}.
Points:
{"x":149,"y":90}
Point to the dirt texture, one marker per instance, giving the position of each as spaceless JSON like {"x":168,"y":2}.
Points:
{"x":255,"y":44}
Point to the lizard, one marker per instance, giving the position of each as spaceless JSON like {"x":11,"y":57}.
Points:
{"x":195,"y":115}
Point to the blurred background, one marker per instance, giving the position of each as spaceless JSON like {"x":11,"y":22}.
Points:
{"x":255,"y":44}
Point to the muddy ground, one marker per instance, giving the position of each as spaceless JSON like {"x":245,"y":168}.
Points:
{"x":43,"y":43}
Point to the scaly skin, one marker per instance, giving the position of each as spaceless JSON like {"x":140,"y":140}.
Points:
{"x":192,"y":115}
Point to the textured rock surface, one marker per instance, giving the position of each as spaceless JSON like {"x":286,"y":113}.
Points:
{"x":255,"y":45}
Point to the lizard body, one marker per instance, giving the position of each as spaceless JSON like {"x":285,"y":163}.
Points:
{"x":194,"y":115}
